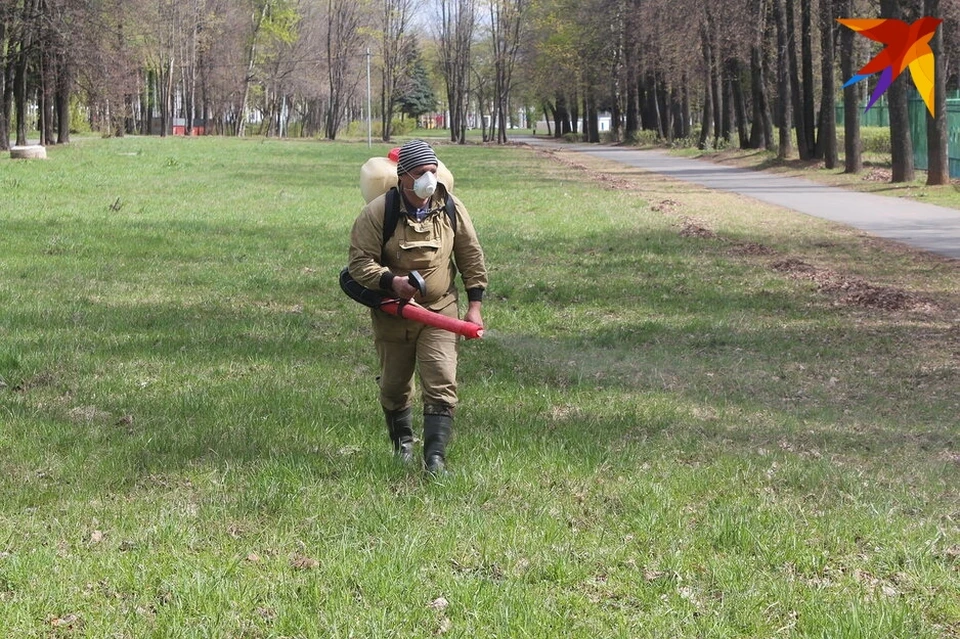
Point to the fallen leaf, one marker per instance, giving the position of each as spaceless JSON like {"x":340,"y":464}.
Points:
{"x":445,"y":626}
{"x":96,"y":536}
{"x":302,"y":562}
{"x":253,"y":557}
{"x":66,"y":621}
{"x":268,"y":614}
{"x":440,"y":603}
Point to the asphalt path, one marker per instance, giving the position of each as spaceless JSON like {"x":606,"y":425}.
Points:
{"x":925,"y":226}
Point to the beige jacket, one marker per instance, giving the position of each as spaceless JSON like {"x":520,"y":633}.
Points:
{"x":430,"y":247}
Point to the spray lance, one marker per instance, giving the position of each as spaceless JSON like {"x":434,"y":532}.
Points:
{"x":405,"y":308}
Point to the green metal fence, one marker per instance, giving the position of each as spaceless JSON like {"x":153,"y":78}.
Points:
{"x":918,"y":134}
{"x":879,"y":115}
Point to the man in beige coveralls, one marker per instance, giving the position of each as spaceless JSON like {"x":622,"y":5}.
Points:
{"x":426,"y":240}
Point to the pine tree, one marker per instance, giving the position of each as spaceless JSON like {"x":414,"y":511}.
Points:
{"x":419,"y":97}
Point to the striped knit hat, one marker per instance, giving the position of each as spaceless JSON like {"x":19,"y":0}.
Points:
{"x":413,"y":154}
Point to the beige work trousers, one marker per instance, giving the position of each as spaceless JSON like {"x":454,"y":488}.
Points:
{"x":403,"y":346}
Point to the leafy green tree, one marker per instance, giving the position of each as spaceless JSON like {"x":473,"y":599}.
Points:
{"x":419,"y":97}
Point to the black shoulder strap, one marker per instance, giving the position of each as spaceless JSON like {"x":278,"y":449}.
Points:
{"x":451,"y":208}
{"x":391,"y":213}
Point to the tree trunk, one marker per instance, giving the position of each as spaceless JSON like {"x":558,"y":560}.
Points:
{"x":796,"y":89}
{"x":728,"y":117}
{"x":574,"y":114}
{"x":5,"y":89}
{"x":676,"y":129}
{"x":827,"y":134}
{"x":808,"y":104}
{"x":669,"y":111}
{"x":664,"y":117}
{"x":165,"y":83}
{"x":21,"y":66}
{"x":241,"y":125}
{"x":706,"y":125}
{"x":901,"y":146}
{"x":715,"y":77}
{"x":62,"y":99}
{"x":457,"y":21}
{"x":685,"y":116}
{"x":561,"y":117}
{"x":592,"y":124}
{"x":20,"y":98}
{"x":938,"y":167}
{"x":618,"y":72}
{"x":48,"y":80}
{"x":735,"y":73}
{"x":761,"y":134}
{"x":507,"y":19}
{"x":785,"y":115}
{"x":852,"y":160}
{"x":761,"y":126}
{"x":655,"y":107}
{"x":632,"y":109}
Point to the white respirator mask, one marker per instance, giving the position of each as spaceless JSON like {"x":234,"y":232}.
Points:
{"x":425,"y":185}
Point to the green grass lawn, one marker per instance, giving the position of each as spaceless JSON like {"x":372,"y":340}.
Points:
{"x":693,"y":415}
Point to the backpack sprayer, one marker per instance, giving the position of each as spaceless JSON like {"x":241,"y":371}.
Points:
{"x":379,"y":175}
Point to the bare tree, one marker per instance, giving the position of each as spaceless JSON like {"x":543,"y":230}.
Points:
{"x":482,"y":91}
{"x":395,"y":49}
{"x":507,"y":21}
{"x":260,"y":17}
{"x":191,"y":26}
{"x":344,"y":40}
{"x":455,"y":38}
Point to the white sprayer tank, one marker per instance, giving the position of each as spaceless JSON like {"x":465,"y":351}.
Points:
{"x":378,"y":175}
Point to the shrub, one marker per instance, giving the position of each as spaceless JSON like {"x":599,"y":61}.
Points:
{"x":644,"y":138}
{"x":608,"y":137}
{"x":875,"y":139}
{"x":358,"y":128}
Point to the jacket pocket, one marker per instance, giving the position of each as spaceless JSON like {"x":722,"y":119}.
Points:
{"x":418,"y":254}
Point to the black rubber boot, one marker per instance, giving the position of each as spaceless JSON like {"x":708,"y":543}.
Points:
{"x":437,"y":429}
{"x":400,"y":427}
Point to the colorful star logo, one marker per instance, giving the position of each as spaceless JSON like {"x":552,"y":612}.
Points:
{"x":908,"y":45}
